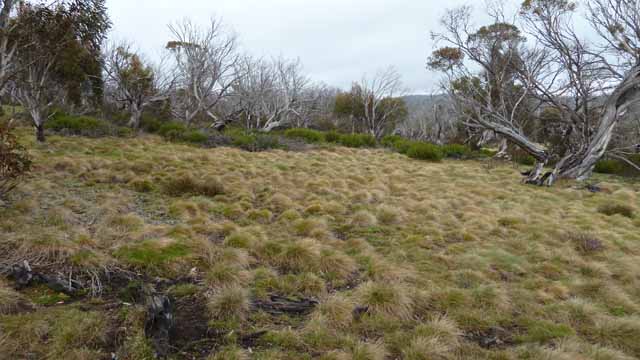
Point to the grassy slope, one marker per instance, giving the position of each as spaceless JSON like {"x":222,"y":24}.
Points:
{"x":453,"y":259}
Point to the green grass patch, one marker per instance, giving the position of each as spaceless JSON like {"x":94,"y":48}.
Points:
{"x":149,"y":255}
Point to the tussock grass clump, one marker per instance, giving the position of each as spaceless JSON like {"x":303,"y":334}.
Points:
{"x":319,"y":337}
{"x":619,"y":333}
{"x":230,"y":353}
{"x":585,"y":243}
{"x":229,"y":304}
{"x":142,"y":185}
{"x":224,"y":274}
{"x":124,"y":223}
{"x":186,"y":184}
{"x":364,"y":218}
{"x":441,"y":327}
{"x":263,"y":216}
{"x":239,"y":240}
{"x":337,"y":311}
{"x":11,"y":301}
{"x":543,"y":331}
{"x":369,"y":351}
{"x":69,"y":332}
{"x":300,"y":256}
{"x":617,"y":209}
{"x":427,"y":348}
{"x":335,"y":266}
{"x":289,"y":215}
{"x":267,"y":281}
{"x":379,"y":269}
{"x":574,"y":349}
{"x":280,"y":203}
{"x":385,"y":299}
{"x":389,"y":214}
{"x":310,"y":227}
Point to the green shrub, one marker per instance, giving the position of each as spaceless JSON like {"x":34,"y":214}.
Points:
{"x":172,"y":131}
{"x":150,"y":124}
{"x":175,"y":131}
{"x":253,"y":141}
{"x":332,"y":136}
{"x":609,"y":166}
{"x":486,"y":152}
{"x":123,"y":131}
{"x":397,"y":143}
{"x":457,"y":151}
{"x":15,"y":161}
{"x":357,"y":140}
{"x":403,"y":146}
{"x":239,"y":137}
{"x":80,"y":125}
{"x":391,"y":140}
{"x":425,"y":151}
{"x":266,"y":142}
{"x":309,"y":135}
{"x":195,"y":136}
{"x":523,"y":158}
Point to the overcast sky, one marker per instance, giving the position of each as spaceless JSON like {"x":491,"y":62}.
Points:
{"x":337,"y":40}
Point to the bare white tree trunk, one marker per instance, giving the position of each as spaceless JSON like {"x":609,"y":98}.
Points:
{"x":136,"y":116}
{"x":503,"y":150}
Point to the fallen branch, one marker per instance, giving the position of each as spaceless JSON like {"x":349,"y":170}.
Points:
{"x":278,"y":305}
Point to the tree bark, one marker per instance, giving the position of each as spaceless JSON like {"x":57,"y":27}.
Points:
{"x":579,"y":165}
{"x":503,"y":150}
{"x":40,"y":133}
{"x":136,"y":115}
{"x":38,"y":122}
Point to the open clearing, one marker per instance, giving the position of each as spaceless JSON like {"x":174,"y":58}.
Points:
{"x":406,"y":259}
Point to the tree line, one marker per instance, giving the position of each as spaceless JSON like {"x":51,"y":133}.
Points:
{"x":526,"y":81}
{"x":57,"y":56}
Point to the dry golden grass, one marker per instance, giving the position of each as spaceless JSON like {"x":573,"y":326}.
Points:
{"x":451,"y":260}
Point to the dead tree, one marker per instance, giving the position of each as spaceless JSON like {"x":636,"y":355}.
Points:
{"x":7,"y":47}
{"x":432,"y":121}
{"x":376,"y":94}
{"x":206,"y":64}
{"x":133,"y":82}
{"x":560,"y":70}
{"x":272,"y":93}
{"x":40,"y":37}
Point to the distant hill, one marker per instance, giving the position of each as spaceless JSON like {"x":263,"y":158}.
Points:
{"x":415,"y":102}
